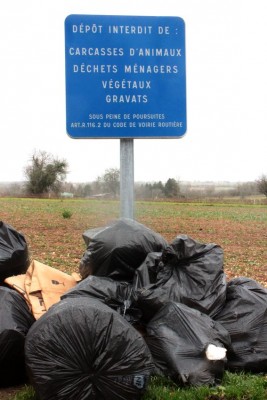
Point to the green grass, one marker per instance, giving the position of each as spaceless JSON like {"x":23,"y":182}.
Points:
{"x":235,"y":212}
{"x":233,"y":387}
{"x":26,"y":393}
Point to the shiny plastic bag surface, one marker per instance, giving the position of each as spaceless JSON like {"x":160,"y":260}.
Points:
{"x":14,"y":258}
{"x":178,"y":338}
{"x":117,"y":295}
{"x":245,"y":317}
{"x":187,"y":272}
{"x":82,"y":350}
{"x":117,"y":250}
{"x":15,"y":321}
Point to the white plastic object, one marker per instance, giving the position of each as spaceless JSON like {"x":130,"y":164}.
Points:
{"x":214,"y":353}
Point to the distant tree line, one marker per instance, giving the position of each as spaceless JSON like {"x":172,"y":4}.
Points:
{"x":108,"y":185}
{"x":46,"y":176}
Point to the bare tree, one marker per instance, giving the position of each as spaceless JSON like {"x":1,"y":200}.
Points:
{"x":262,"y":185}
{"x":110,"y":181}
{"x":45,"y":173}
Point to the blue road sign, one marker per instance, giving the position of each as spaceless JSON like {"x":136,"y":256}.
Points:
{"x":125,"y":76}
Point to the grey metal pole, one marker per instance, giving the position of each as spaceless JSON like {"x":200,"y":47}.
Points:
{"x":127,"y":178}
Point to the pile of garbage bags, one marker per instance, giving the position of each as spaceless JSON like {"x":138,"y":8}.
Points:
{"x":142,"y":307}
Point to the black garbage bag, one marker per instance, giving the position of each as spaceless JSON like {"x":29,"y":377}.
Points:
{"x":151,"y":271}
{"x":187,"y":272}
{"x":82,"y":350}
{"x":15,"y":321}
{"x":245,"y":318}
{"x":118,"y":249}
{"x":14,"y":257}
{"x":187,"y":346}
{"x":117,"y":295}
{"x":153,"y":286}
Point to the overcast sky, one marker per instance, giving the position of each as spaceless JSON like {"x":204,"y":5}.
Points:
{"x":226,"y":78}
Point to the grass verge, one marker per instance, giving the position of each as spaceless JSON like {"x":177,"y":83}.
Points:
{"x":234,"y":386}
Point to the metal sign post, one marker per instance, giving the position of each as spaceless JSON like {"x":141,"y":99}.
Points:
{"x":127,"y":178}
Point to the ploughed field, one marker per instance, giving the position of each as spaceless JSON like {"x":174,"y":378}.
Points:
{"x":240,"y":229}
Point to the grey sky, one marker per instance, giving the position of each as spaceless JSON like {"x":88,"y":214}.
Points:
{"x":226,"y":64}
